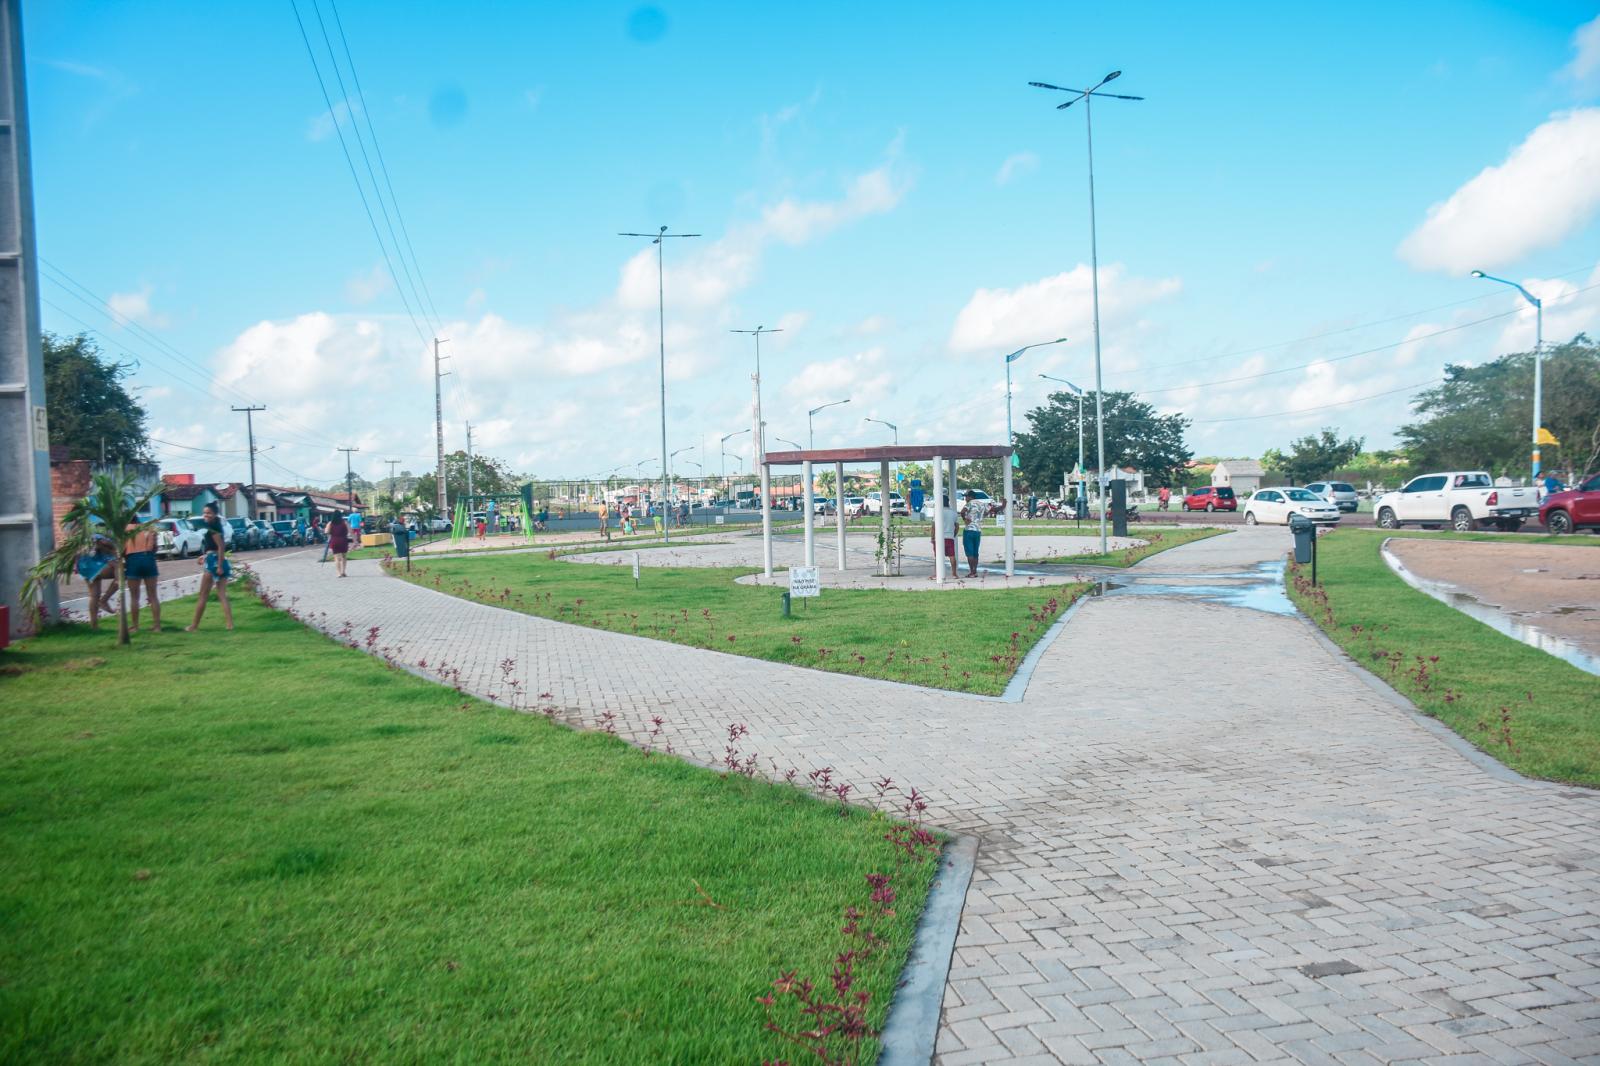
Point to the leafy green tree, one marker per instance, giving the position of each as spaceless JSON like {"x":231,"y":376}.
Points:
{"x":1481,"y":417}
{"x":489,"y":476}
{"x":111,"y":510}
{"x":1313,"y":457}
{"x":1136,"y":436}
{"x":89,"y":407}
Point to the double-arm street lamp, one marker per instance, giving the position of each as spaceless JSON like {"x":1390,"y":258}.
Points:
{"x":1087,"y":96}
{"x":1011,"y":441}
{"x":811,"y":433}
{"x":723,"y":445}
{"x":659,"y":239}
{"x":1538,"y":359}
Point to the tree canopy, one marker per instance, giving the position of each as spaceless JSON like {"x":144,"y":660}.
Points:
{"x":1136,"y":436}
{"x":1481,"y":417}
{"x":489,"y":476}
{"x":1312,"y":458}
{"x":89,"y":409}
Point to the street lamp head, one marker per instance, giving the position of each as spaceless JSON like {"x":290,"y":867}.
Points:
{"x":1113,"y":76}
{"x":1479,"y":274}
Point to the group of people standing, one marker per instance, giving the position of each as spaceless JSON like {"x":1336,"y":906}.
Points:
{"x":970,"y":517}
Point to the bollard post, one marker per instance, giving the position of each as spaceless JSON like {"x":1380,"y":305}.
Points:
{"x":786,"y":605}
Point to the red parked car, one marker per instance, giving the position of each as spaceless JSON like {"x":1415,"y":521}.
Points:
{"x":1211,"y":498}
{"x":1572,"y":509}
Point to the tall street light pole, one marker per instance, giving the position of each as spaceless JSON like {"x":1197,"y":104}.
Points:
{"x":250,"y":429}
{"x":1079,"y":393}
{"x":1538,"y":360}
{"x":659,"y":239}
{"x":1011,"y":440}
{"x":723,"y":444}
{"x":811,"y":433}
{"x":1086,"y":96}
{"x":761,"y":427}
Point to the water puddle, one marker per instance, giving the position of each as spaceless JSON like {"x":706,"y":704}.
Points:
{"x":1497,"y":619}
{"x":1258,"y":589}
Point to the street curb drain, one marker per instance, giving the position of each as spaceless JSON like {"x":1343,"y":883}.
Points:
{"x":912,"y":1029}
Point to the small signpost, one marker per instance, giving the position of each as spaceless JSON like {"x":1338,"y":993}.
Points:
{"x":804,"y":582}
{"x":635,"y":569}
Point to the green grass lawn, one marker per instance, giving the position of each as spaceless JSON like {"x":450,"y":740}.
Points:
{"x":1532,"y":711}
{"x":959,"y":640}
{"x":262,"y":846}
{"x":1155,"y":542}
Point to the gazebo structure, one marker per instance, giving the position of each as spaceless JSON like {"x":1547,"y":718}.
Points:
{"x":944,"y":480}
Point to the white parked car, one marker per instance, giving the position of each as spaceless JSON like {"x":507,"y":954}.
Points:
{"x":874,"y":504}
{"x":1466,"y":499}
{"x":175,"y":537}
{"x":1338,"y":493}
{"x":1277,"y":506}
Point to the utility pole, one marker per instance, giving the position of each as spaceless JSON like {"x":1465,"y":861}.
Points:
{"x":349,"y":480}
{"x":394,"y":496}
{"x":442,"y":501}
{"x":469,"y":466}
{"x":27,"y":531}
{"x":250,"y":430}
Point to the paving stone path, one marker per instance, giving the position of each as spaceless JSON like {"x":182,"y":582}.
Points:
{"x":1279,"y":865}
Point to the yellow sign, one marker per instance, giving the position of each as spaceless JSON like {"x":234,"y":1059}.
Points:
{"x":1546,"y":437}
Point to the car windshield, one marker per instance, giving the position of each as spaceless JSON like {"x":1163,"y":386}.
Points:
{"x":1302,"y":494}
{"x":1224,"y":494}
{"x":1471,"y":481}
{"x":1339,"y":486}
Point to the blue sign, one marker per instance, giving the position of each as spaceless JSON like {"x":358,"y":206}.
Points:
{"x":916,"y":494}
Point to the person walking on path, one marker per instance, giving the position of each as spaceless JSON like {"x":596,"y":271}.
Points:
{"x":217,"y":570}
{"x":972,"y":536}
{"x":1165,"y":496}
{"x":338,"y":542}
{"x":605,"y":525}
{"x":139,"y":569}
{"x":354,"y":526}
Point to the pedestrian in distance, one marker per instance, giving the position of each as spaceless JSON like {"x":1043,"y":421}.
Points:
{"x":543,"y":519}
{"x":605,"y":523}
{"x":97,"y":569}
{"x":354,"y":525}
{"x":217,"y":569}
{"x":972,"y":536}
{"x":338,"y":542}
{"x":1165,"y":496}
{"x":139,"y":570}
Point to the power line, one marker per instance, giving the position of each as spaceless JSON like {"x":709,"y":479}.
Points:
{"x":382,"y":163}
{"x":354,"y":176}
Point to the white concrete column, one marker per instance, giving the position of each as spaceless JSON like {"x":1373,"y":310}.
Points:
{"x":883,"y":499}
{"x":838,"y":484}
{"x":766,"y":519}
{"x":938,"y":520}
{"x":810,"y":515}
{"x":1010,"y":513}
{"x":950,"y":483}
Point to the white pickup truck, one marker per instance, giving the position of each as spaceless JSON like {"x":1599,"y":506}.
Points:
{"x":1464,"y":499}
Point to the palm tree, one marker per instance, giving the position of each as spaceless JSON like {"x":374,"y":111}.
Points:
{"x":111,"y":509}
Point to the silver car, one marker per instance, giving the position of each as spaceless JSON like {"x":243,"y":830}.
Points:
{"x":1337,"y":493}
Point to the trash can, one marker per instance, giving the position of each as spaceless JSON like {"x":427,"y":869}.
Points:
{"x":1305,"y":538}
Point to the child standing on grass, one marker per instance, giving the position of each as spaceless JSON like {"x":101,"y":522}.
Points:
{"x":217,"y":570}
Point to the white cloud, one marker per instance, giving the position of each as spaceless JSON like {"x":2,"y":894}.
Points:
{"x":1056,"y":306}
{"x":321,"y":127}
{"x":1565,"y":315}
{"x":1547,"y":188}
{"x":1015,"y":166}
{"x":797,"y":221}
{"x":135,"y":307}
{"x":364,"y":288}
{"x":862,"y":378}
{"x":1585,"y":65}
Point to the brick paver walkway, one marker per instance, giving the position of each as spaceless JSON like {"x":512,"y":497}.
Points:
{"x":1280,"y":865}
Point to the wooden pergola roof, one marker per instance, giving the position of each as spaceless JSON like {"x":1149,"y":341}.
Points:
{"x":893,"y":453}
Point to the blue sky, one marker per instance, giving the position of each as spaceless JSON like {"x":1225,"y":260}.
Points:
{"x":876,"y":179}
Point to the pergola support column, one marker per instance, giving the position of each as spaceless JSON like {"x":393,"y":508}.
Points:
{"x":1010,"y":515}
{"x":766,"y":520}
{"x":938,"y":520}
{"x":810,"y":514}
{"x":839,"y":518}
{"x":885,"y":508}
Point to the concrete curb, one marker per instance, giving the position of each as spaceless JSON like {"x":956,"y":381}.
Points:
{"x":911,"y":1031}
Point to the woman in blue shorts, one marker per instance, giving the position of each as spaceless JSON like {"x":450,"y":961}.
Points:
{"x":218,"y":570}
{"x":140,"y":572}
{"x":96,"y":568}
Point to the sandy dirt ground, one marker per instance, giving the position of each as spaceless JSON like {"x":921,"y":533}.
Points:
{"x":1554,"y":587}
